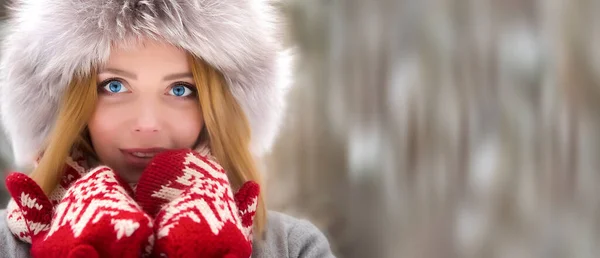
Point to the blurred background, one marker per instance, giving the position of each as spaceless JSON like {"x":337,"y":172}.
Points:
{"x":441,"y":128}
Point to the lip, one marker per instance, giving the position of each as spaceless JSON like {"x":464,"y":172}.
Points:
{"x":137,"y":161}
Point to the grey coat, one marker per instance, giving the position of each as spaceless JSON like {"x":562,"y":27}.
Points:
{"x":285,"y":237}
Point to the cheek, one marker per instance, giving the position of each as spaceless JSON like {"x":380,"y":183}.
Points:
{"x":103,"y":130}
{"x":185,"y":127}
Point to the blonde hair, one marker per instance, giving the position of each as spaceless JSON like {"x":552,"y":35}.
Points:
{"x":226,"y":126}
{"x":228,"y":130}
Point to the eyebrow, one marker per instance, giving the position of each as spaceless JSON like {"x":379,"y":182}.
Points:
{"x":175,"y":76}
{"x":119,"y":72}
{"x":131,"y":75}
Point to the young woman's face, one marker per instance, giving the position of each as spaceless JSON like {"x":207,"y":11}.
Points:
{"x":147,"y":102}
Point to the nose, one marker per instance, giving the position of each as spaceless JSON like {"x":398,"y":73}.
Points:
{"x":146,"y":118}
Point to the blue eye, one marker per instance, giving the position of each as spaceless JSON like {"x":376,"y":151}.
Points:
{"x":115,"y":86}
{"x":180,"y":91}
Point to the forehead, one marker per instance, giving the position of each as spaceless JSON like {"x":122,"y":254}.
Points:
{"x":147,"y":53}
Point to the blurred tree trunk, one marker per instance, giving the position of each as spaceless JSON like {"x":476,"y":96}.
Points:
{"x":444,"y":128}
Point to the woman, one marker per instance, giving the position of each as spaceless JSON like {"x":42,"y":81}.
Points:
{"x":142,"y":120}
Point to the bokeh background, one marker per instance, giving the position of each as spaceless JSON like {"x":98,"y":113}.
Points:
{"x":441,"y":128}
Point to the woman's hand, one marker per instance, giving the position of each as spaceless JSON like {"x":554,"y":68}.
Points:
{"x":96,"y":217}
{"x":196,"y":214}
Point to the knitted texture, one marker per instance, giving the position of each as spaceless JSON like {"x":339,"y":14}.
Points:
{"x":97,"y":217}
{"x":75,"y":168}
{"x":196,"y":214}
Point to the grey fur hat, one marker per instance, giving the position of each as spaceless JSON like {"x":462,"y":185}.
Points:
{"x":48,"y":41}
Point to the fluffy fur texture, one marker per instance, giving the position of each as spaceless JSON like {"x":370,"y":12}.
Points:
{"x":49,"y":41}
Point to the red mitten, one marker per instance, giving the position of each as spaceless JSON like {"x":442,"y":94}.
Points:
{"x":96,"y":218}
{"x":75,"y":168}
{"x":195,"y":212}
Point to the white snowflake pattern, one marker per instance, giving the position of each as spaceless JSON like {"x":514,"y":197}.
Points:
{"x":94,"y":196}
{"x":206,"y":192}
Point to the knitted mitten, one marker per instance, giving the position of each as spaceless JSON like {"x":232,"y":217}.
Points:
{"x":195,"y":212}
{"x":75,"y":167}
{"x":96,"y":217}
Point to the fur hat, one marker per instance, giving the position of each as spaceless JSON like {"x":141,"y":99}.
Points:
{"x":48,"y":41}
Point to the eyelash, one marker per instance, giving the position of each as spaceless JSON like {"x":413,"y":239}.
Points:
{"x":189,"y":85}
{"x":101,"y":85}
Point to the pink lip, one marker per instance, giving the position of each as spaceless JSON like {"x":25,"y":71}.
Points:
{"x":143,"y":150}
{"x":140,"y":162}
